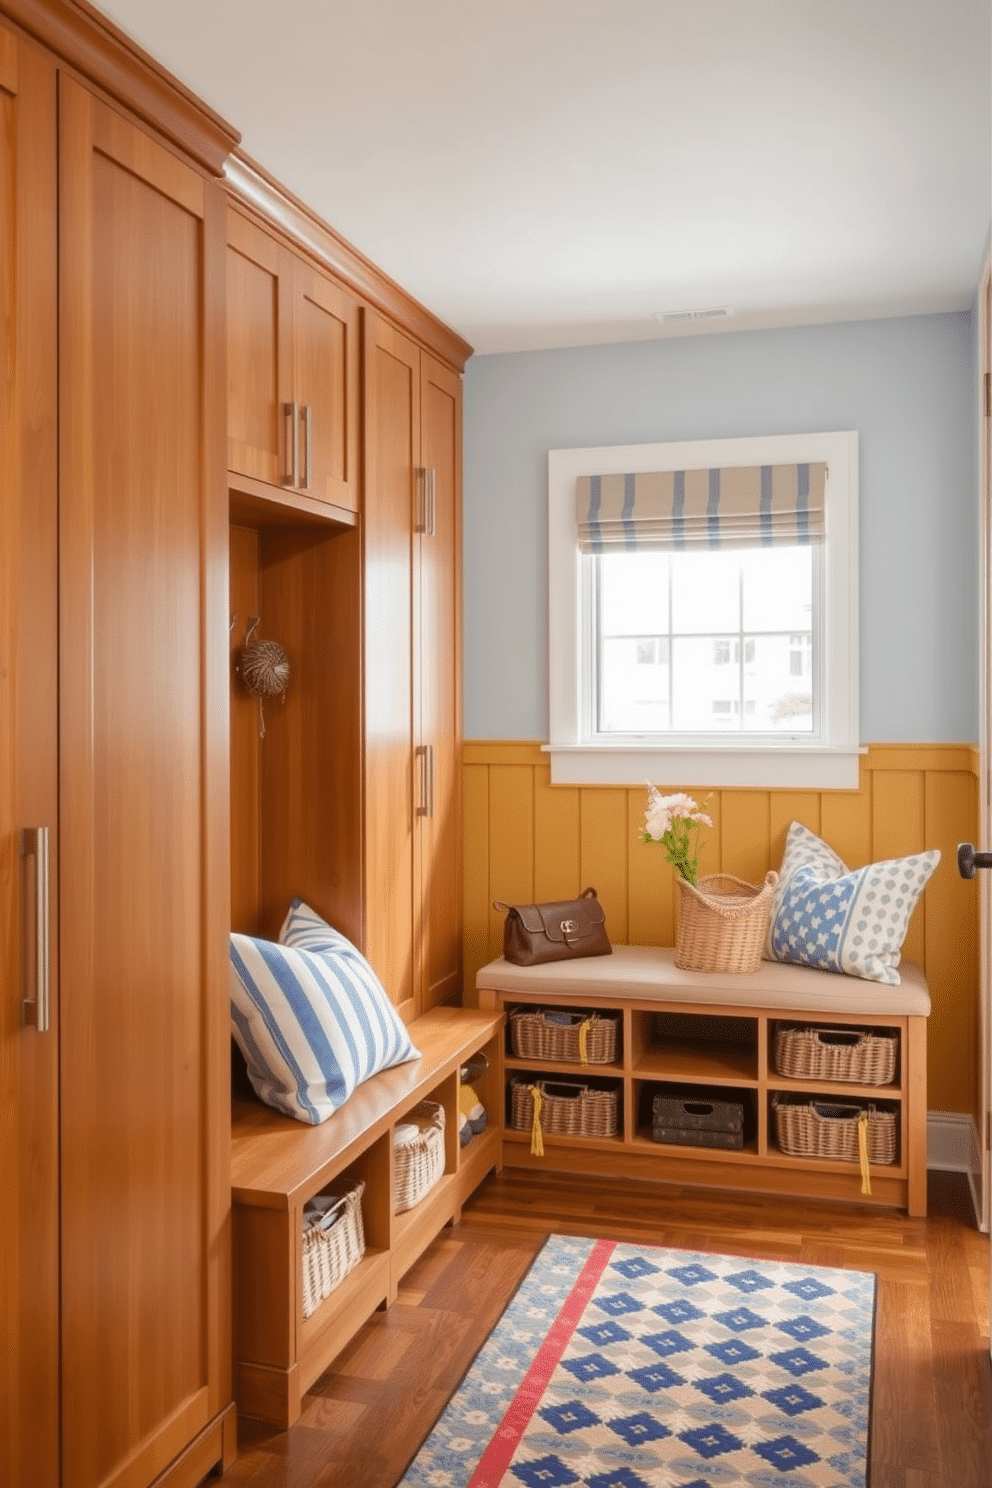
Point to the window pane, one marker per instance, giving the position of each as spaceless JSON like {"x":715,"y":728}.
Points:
{"x":633,"y":593}
{"x":777,"y":700}
{"x":633,"y":696}
{"x":705,"y":591}
{"x":705,"y":693}
{"x":778,"y":588}
{"x":738,"y":657}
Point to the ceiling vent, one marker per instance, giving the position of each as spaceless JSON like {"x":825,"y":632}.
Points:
{"x":681,"y":317}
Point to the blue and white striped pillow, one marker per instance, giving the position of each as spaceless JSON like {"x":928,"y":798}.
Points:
{"x":311,"y":1017}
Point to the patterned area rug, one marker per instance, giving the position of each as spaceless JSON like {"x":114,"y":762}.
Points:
{"x":629,"y":1366}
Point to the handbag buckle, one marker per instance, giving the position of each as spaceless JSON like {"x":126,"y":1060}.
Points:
{"x":569,"y":927}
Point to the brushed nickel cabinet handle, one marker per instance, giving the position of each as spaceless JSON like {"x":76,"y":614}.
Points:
{"x":421,"y":752}
{"x":292,"y":444}
{"x":430,"y":780}
{"x":34,"y":844}
{"x":431,"y":497}
{"x":307,"y":447}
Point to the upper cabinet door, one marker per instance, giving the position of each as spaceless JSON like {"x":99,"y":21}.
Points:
{"x":293,"y":359}
{"x":29,"y":1215}
{"x":259,"y":352}
{"x":326,"y":387}
{"x":145,"y":891}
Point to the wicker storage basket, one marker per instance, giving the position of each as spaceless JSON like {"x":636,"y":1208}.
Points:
{"x":854,"y":1054}
{"x":333,"y":1244}
{"x":418,"y":1164}
{"x":723,"y":923}
{"x":815,"y":1128}
{"x":569,"y":1037}
{"x":565,"y":1109}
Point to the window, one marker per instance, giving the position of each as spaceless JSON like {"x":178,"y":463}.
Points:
{"x":711,"y":656}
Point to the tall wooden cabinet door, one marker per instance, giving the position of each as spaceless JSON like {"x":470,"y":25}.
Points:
{"x":326,"y":325}
{"x":395,"y":782}
{"x":29,"y":1239}
{"x":260,"y":353}
{"x":440,"y":678}
{"x":145,"y":889}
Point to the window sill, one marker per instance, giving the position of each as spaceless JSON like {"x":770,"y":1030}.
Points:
{"x":764,"y":767}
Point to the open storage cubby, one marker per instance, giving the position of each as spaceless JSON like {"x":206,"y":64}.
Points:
{"x":278,"y":1165}
{"x":707,"y":1036}
{"x":296,"y":792}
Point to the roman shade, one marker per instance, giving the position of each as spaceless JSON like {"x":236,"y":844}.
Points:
{"x":745,"y":506}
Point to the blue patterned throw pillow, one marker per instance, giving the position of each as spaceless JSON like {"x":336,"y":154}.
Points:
{"x":840,"y":919}
{"x":311,"y":1017}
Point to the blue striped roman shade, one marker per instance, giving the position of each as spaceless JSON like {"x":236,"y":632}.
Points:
{"x":311,"y":1017}
{"x":744,"y":506}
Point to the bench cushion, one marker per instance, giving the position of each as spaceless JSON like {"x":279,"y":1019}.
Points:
{"x":649,"y":972}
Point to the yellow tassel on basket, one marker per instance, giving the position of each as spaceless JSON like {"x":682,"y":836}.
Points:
{"x":536,"y":1134}
{"x":584,"y":1040}
{"x":863,"y":1152}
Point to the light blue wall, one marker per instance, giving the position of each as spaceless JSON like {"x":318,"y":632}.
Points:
{"x":907,"y":386}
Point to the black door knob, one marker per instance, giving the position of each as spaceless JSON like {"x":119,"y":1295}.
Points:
{"x":969,"y":860}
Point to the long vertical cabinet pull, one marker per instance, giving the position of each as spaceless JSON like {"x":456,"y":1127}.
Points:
{"x":34,"y":843}
{"x":427,"y":525}
{"x":421,"y":752}
{"x":307,"y":446}
{"x":430,"y":501}
{"x":430,"y":780}
{"x":292,"y":444}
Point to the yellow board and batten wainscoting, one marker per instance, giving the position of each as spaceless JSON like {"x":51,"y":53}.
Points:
{"x":527,"y":840}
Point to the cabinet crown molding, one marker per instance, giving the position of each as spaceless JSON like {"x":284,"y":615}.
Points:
{"x":251,"y":187}
{"x":90,"y":43}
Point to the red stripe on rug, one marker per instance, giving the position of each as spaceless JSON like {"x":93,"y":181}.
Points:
{"x":499,"y":1453}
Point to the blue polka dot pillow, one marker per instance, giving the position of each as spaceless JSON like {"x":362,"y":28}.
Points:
{"x":841,"y":919}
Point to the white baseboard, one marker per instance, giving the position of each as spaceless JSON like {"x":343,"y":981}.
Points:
{"x":952,"y":1147}
{"x":952,"y":1143}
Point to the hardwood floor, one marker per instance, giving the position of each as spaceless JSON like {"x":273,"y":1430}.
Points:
{"x":932,"y":1408}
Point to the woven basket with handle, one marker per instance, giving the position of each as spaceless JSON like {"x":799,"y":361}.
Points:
{"x":333,"y":1244}
{"x":852,"y":1054}
{"x":420,"y":1163}
{"x":569,"y":1038}
{"x":723,"y":923}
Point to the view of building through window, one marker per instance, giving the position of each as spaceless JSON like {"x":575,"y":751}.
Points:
{"x":704,"y":641}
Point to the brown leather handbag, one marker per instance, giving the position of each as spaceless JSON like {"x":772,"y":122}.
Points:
{"x":535,"y":933}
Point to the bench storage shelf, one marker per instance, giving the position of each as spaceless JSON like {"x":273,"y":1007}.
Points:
{"x":682,"y":1030}
{"x":278,"y":1164}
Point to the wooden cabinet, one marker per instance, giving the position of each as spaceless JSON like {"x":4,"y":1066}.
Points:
{"x":412,"y":660}
{"x":712,"y":1035}
{"x":293,"y":377}
{"x":29,"y":1215}
{"x":115,"y":1145}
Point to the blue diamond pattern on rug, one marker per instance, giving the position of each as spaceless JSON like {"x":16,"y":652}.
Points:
{"x":570,"y":1417}
{"x":548,"y":1472}
{"x":578,"y":1385}
{"x":749,"y":1281}
{"x":793,"y":1399}
{"x":638,"y":1429}
{"x":601,"y":1334}
{"x":724,"y":1387}
{"x":682,"y":1311}
{"x":711,"y":1441}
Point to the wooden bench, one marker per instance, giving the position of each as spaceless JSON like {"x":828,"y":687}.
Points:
{"x":277,"y":1164}
{"x":658,"y":1052}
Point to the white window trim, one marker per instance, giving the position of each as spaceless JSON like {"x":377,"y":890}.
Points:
{"x":830,"y":765}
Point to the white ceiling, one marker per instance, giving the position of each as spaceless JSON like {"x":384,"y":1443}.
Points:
{"x":546,"y":173}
